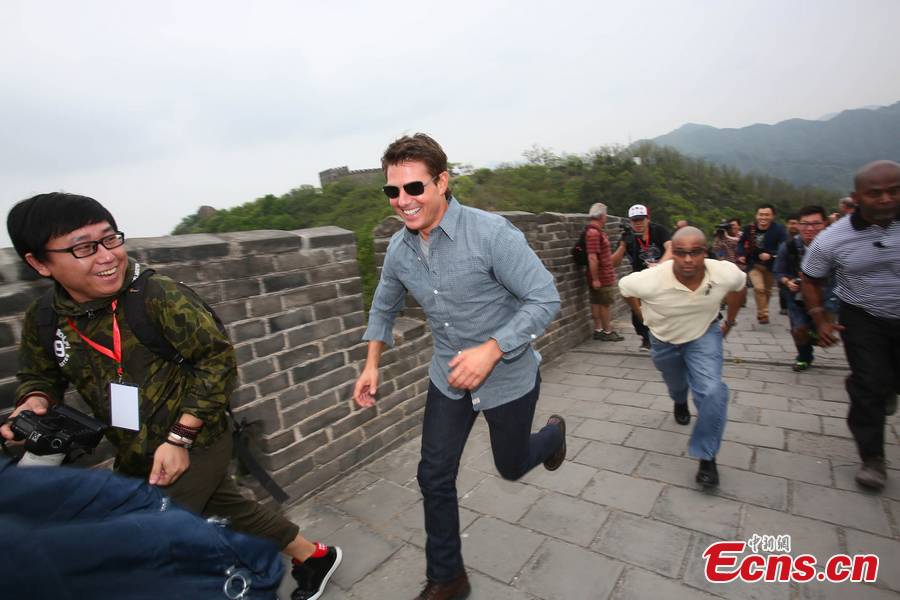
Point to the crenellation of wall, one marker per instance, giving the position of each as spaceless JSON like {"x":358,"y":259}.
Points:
{"x":293,"y":307}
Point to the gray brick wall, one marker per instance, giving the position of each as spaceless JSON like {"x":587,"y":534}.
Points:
{"x":551,"y":236}
{"x":292,"y":303}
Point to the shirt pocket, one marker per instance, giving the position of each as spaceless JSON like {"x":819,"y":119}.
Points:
{"x":468,"y":279}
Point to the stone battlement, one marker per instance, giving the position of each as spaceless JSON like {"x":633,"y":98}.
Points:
{"x":292,"y":303}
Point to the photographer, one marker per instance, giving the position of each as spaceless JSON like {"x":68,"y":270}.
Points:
{"x":646,"y":244}
{"x":167,"y":419}
{"x":725,"y":240}
{"x":811,"y":221}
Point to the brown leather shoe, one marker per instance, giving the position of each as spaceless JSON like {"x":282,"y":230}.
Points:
{"x":556,"y":459}
{"x":455,"y":589}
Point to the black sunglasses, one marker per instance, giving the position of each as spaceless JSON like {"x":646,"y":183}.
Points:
{"x":413,"y":188}
{"x":85,"y":249}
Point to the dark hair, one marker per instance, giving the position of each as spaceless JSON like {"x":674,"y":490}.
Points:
{"x":769,"y":206}
{"x":735,"y":219}
{"x":792,"y":217}
{"x":32,"y":222}
{"x":812,"y":209}
{"x":420,"y":148}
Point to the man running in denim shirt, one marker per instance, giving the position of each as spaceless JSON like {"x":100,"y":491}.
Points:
{"x":487,"y":297}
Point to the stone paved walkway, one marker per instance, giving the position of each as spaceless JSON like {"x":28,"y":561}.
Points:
{"x":623,"y":518}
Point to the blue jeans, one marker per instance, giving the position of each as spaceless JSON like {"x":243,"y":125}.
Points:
{"x":800,"y":320}
{"x":446,"y":427}
{"x":697,"y":365}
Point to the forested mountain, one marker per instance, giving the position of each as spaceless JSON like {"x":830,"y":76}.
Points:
{"x":672,"y":185}
{"x":824,"y":153}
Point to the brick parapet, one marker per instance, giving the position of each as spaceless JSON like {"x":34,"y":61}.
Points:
{"x":292,"y":304}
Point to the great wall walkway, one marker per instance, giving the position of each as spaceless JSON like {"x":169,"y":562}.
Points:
{"x":623,"y":518}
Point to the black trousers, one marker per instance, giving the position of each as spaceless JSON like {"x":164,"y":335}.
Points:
{"x":872,"y":345}
{"x":640,"y":329}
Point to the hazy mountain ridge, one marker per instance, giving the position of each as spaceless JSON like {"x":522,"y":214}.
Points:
{"x":802,"y":151}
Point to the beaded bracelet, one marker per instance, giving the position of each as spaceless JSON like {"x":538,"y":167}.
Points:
{"x":184,"y":446}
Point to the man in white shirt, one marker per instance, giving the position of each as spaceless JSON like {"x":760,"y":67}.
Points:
{"x":679,"y":302}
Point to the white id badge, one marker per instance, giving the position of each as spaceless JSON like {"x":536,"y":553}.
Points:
{"x":124,"y":406}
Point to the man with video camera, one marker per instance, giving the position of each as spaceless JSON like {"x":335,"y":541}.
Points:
{"x":646,"y":244}
{"x":167,"y":418}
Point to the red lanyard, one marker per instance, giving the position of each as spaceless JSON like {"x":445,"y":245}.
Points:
{"x":116,"y":352}
{"x":644,"y":244}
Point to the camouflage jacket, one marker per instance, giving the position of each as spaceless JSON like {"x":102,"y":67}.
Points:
{"x":166,"y":389}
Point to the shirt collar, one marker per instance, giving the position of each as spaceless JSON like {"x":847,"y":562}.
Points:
{"x":859,"y":223}
{"x":449,"y":222}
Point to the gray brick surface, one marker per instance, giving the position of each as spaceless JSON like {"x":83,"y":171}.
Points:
{"x":508,"y":500}
{"x":756,"y":435}
{"x":566,"y":518}
{"x":798,"y":467}
{"x":561,"y":570}
{"x":644,"y":542}
{"x":623,"y":492}
{"x":608,"y":456}
{"x":639,"y":584}
{"x":699,"y":511}
{"x":834,"y":506}
{"x":499,"y":549}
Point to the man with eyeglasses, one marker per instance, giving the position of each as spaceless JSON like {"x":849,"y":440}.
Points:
{"x":679,"y":302}
{"x":487,"y":297}
{"x":646,"y":244}
{"x":811,"y":220}
{"x":167,"y":419}
{"x":862,"y":252}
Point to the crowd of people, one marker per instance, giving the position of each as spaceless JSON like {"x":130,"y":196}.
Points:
{"x":487,"y":297}
{"x":836,"y":275}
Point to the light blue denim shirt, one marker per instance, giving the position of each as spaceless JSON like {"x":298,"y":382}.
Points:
{"x":481,"y":281}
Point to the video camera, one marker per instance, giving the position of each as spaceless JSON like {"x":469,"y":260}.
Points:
{"x":627,"y":233}
{"x":50,"y":437}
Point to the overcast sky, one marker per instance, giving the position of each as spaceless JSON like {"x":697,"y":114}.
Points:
{"x":156,"y":108}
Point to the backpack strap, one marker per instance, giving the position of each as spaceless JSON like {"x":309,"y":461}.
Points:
{"x":149,"y":334}
{"x":135,"y":303}
{"x":47,"y":323}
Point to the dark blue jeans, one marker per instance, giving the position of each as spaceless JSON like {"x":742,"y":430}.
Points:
{"x":445,"y":429}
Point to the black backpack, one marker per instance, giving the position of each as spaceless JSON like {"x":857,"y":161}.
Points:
{"x":579,"y":250}
{"x":151,"y":337}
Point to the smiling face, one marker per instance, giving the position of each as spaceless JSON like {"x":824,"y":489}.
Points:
{"x":93,"y":277}
{"x":764,"y":217}
{"x":420,"y":213}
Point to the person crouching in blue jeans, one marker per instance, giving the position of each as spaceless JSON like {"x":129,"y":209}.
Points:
{"x":679,"y":302}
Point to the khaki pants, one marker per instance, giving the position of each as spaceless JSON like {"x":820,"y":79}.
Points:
{"x":762,"y":280}
{"x":207,"y":489}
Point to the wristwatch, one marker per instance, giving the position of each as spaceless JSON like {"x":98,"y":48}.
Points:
{"x":730,"y":323}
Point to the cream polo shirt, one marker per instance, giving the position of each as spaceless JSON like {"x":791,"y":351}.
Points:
{"x":674,"y":313}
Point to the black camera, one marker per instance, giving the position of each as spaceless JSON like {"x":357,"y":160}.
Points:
{"x":627,"y":233}
{"x":724,"y":227}
{"x":59,"y":431}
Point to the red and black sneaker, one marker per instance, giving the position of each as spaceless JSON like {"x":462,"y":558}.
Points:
{"x":312,"y":574}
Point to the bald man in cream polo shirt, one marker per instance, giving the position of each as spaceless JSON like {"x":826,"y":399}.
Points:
{"x":679,"y":302}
